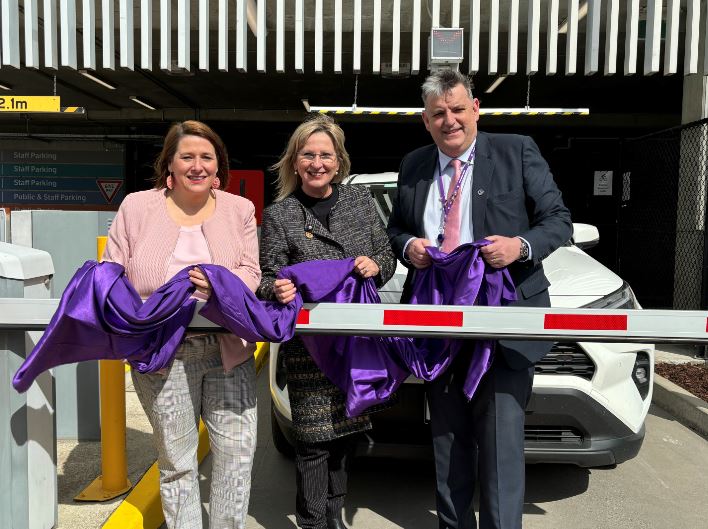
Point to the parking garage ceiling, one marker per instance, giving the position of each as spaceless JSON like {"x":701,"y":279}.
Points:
{"x":254,"y":96}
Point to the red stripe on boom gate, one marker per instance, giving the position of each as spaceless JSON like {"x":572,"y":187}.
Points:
{"x":303,"y":317}
{"x":423,"y":318}
{"x":586,"y":322}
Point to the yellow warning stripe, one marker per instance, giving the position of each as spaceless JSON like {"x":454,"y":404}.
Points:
{"x":360,"y":112}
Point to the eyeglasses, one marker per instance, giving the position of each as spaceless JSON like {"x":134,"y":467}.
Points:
{"x":325,"y":157}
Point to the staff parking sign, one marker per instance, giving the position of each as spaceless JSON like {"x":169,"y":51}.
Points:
{"x":60,"y":174}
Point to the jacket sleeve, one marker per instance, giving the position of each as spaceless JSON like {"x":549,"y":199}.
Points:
{"x":274,"y":252}
{"x":382,"y":254}
{"x":248,"y":269}
{"x":549,"y":219}
{"x":399,"y":231}
{"x":118,"y":244}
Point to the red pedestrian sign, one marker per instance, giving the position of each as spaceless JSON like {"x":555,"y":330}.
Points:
{"x":109,"y":188}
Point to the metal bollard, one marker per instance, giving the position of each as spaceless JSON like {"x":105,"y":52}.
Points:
{"x":113,"y":480}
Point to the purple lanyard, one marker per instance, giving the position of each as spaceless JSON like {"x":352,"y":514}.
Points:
{"x":447,"y":203}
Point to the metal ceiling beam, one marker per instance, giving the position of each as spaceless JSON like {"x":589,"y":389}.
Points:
{"x":146,"y":34}
{"x":592,"y":37}
{"x":693,"y":25}
{"x":51,"y":50}
{"x":673,"y":8}
{"x":10,"y":33}
{"x":611,"y":36}
{"x":631,"y":37}
{"x":552,"y":38}
{"x":127,"y":27}
{"x":108,"y":40}
{"x":31,"y":16}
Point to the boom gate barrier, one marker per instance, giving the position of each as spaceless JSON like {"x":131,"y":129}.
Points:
{"x":527,"y":323}
{"x":548,"y":324}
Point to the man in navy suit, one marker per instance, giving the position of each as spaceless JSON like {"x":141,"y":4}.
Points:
{"x":506,"y":194}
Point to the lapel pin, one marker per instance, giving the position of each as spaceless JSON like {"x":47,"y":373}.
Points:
{"x":480,"y":192}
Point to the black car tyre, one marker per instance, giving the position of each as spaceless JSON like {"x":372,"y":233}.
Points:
{"x":279,"y":440}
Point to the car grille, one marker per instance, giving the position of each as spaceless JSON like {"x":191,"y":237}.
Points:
{"x":566,"y":359}
{"x":555,"y":434}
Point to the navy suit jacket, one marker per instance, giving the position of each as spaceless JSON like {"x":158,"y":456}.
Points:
{"x":513,"y":194}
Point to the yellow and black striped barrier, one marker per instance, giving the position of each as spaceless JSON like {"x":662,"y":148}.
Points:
{"x":382,"y":111}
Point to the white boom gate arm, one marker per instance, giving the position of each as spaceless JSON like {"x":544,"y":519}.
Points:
{"x":587,"y":325}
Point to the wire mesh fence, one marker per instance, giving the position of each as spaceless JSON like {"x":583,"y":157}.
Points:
{"x":662,"y":217}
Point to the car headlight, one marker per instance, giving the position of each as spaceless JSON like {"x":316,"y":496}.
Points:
{"x":622,"y":298}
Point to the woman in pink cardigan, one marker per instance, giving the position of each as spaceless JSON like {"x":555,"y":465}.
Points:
{"x":185,"y":220}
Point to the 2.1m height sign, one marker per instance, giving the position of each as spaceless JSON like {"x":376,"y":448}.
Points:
{"x":62,"y":174}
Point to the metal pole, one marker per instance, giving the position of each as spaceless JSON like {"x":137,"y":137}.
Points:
{"x":113,"y":480}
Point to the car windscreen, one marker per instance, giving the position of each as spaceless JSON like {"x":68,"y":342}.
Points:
{"x":383,"y":194}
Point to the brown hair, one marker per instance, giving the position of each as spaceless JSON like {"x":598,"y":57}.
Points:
{"x":169,"y":148}
{"x":288,"y":179}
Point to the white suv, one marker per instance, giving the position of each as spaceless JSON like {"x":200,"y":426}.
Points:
{"x":589,"y":400}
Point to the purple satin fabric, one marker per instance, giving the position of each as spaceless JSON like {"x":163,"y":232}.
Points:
{"x":462,"y":278}
{"x":101,"y":317}
{"x":368,"y":369}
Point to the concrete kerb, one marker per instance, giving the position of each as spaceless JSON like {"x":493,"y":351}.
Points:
{"x":142,"y":508}
{"x":688,"y":409}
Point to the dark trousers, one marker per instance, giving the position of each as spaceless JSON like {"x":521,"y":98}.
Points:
{"x":481,"y":440}
{"x":321,"y":477}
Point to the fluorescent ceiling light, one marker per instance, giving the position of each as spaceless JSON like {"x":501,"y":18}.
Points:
{"x":495,"y":84}
{"x":4,"y":86}
{"x":98,"y":80}
{"x":410,"y":111}
{"x":141,"y":102}
{"x":582,"y":12}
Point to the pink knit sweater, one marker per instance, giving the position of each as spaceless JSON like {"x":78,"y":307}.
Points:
{"x":143,"y":237}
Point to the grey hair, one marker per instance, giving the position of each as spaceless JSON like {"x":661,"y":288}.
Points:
{"x":442,"y":81}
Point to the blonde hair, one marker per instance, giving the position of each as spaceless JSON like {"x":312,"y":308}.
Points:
{"x":288,"y":180}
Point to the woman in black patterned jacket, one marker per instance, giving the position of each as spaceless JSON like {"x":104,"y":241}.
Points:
{"x":315,"y":217}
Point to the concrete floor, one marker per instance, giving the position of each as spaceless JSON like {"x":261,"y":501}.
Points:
{"x":79,"y":463}
{"x":665,"y":486}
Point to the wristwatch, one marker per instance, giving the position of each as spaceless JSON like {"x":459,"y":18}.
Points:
{"x":524,"y":250}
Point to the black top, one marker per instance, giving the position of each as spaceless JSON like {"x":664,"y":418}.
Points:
{"x":319,"y":207}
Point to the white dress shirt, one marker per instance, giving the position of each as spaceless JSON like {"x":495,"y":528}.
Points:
{"x":433,"y":212}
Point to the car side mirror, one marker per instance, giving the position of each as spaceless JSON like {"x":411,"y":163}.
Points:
{"x":585,"y":235}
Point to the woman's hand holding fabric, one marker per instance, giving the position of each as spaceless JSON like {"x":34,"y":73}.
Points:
{"x":284,"y":290}
{"x":199,"y":280}
{"x":366,"y":266}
